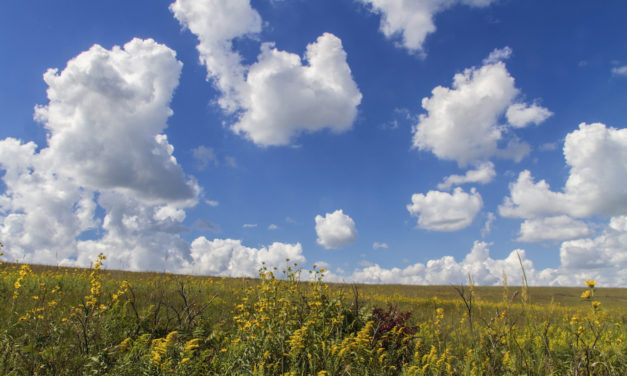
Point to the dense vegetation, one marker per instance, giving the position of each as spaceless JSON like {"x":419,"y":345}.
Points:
{"x":62,"y":321}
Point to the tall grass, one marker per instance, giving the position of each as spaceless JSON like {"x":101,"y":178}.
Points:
{"x":70,"y":321}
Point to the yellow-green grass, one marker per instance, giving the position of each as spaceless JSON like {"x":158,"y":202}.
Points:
{"x":57,"y":320}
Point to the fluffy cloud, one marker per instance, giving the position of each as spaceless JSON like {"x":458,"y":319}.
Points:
{"x":412,"y":20}
{"x":278,"y":97}
{"x":552,"y":229}
{"x":228,"y":257}
{"x":105,"y":117}
{"x":285,"y":97}
{"x":597,"y":157}
{"x":483,"y":174}
{"x":463,"y":122}
{"x":482,"y":268}
{"x":335,"y":230}
{"x":443,"y":211}
{"x":520,"y":115}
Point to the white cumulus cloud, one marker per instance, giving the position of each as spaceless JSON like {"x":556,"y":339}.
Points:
{"x":443,"y":211}
{"x":597,"y":157}
{"x":102,"y":95}
{"x":335,"y":230}
{"x":278,"y":97}
{"x":463,"y":122}
{"x":411,"y":21}
{"x":553,"y":229}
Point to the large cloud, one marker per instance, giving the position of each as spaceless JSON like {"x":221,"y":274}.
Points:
{"x":463,"y":123}
{"x":105,"y":117}
{"x":412,"y":20}
{"x":335,"y":230}
{"x":106,"y":113}
{"x":277,"y":97}
{"x":228,"y":257}
{"x":597,"y":184}
{"x":443,"y":211}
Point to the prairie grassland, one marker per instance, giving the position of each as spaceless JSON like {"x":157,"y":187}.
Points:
{"x":69,"y":321}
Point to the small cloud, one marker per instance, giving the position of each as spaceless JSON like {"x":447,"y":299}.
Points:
{"x":212,"y":203}
{"x":483,"y":174}
{"x":365,"y":263}
{"x":335,"y":230}
{"x":204,"y":156}
{"x":620,"y":71}
{"x":230,"y":161}
{"x":583,"y":63}
{"x":499,"y":54}
{"x":321,"y":264}
{"x":273,"y":227}
{"x":290,"y":220}
{"x":203,"y":224}
{"x":549,"y":146}
{"x":377,"y":245}
{"x":487,"y":227}
{"x":400,"y":116}
{"x":249,"y":225}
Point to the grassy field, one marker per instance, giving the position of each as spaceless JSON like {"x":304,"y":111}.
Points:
{"x":93,"y":321}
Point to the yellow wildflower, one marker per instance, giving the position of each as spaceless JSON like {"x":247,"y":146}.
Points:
{"x":586,"y":294}
{"x":591,"y":283}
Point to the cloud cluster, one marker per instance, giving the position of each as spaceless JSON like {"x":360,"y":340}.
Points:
{"x":335,"y":230}
{"x":463,"y":123}
{"x":228,"y":257}
{"x":443,"y":211}
{"x":411,"y":21}
{"x":478,"y":264}
{"x":603,"y":258}
{"x":597,"y":157}
{"x":278,"y":97}
{"x":106,"y":150}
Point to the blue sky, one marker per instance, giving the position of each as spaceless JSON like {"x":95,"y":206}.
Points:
{"x":207,"y":137}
